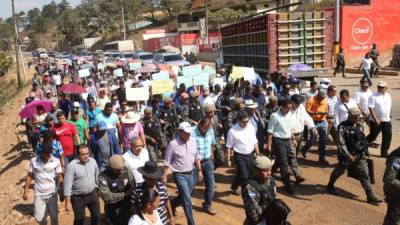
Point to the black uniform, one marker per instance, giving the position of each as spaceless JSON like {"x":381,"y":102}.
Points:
{"x":256,"y":197}
{"x":118,"y":207}
{"x":152,"y":129}
{"x":195,"y":111}
{"x":351,"y":141}
{"x":183,"y":112}
{"x":171,"y":124}
{"x":391,"y":188}
{"x":340,"y":64}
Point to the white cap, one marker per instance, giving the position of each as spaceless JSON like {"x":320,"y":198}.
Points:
{"x":325,"y":80}
{"x":76,"y":105}
{"x":185,"y":126}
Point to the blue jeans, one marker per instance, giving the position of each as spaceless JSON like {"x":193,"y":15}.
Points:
{"x":185,"y":183}
{"x":322,"y":127}
{"x":207,"y":167}
{"x":367,"y":76}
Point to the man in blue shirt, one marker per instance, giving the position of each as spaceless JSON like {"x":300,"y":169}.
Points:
{"x":91,"y":113}
{"x":205,"y":139}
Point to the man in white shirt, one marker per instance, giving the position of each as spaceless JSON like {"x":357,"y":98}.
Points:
{"x":135,"y":158}
{"x":46,"y":170}
{"x":243,"y":141}
{"x":342,"y":107}
{"x":280,"y":136}
{"x":380,"y":105}
{"x":206,"y":98}
{"x":361,"y":97}
{"x":366,"y":63}
{"x":300,"y":119}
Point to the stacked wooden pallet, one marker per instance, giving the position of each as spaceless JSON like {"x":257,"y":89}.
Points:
{"x":395,"y":62}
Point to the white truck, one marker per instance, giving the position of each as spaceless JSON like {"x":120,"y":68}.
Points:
{"x":121,"y":46}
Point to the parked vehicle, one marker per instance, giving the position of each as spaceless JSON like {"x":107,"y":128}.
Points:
{"x":146,"y":57}
{"x":170,"y":58}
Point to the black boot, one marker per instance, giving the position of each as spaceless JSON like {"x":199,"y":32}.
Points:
{"x":372,"y":199}
{"x":330,"y":188}
{"x":384,"y":153}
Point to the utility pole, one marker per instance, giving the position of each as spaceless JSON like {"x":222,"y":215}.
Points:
{"x":16,"y":46}
{"x":206,"y":19}
{"x":123,"y":20}
{"x":337,"y":21}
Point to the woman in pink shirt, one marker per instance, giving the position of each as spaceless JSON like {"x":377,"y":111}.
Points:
{"x":131,"y":128}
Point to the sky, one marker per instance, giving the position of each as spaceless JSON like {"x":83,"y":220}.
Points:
{"x":25,"y":5}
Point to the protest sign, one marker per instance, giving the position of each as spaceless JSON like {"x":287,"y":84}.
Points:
{"x":162,"y":75}
{"x":209,"y":70}
{"x":188,"y":81}
{"x":237,"y":73}
{"x":84,"y":73}
{"x":162,"y":86}
{"x":202,"y":79}
{"x":101,"y":66}
{"x":135,"y":66}
{"x":219,"y":81}
{"x":190,"y":71}
{"x":118,"y":73}
{"x":137,"y":94}
{"x":248,"y":73}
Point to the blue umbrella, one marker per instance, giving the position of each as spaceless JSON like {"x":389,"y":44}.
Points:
{"x":299,"y":67}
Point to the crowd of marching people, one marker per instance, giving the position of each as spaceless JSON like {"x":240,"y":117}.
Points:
{"x":90,"y":141}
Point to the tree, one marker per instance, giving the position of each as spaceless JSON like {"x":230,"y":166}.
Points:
{"x":50,"y":10}
{"x":6,"y":36}
{"x":223,"y":16}
{"x":33,"y":14}
{"x":63,"y":6}
{"x":173,"y":6}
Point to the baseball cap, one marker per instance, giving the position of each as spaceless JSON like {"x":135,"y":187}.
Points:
{"x":186,"y":127}
{"x":263,"y":162}
{"x":184,"y":95}
{"x":195,"y":94}
{"x":101,"y":125}
{"x":76,"y":105}
{"x":354,"y":111}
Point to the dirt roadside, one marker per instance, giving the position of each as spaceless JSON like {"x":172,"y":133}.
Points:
{"x":311,"y":205}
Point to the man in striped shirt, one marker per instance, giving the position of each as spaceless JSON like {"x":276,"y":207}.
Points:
{"x":205,"y":139}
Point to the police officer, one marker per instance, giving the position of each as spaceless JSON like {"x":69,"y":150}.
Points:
{"x":155,"y":139}
{"x":374,"y":53}
{"x":259,"y":191}
{"x":116,"y":184}
{"x":195,"y":109}
{"x":223,"y":104}
{"x":182,"y":108}
{"x":391,"y":188}
{"x":353,"y":148}
{"x":169,"y":119}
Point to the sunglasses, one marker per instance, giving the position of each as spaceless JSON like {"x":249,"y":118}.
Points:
{"x":209,"y":112}
{"x":244,"y":121}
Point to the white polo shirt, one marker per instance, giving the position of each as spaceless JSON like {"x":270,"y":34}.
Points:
{"x":366,"y":63}
{"x":361,"y":98}
{"x":382,"y":105}
{"x":341,"y":112}
{"x":45,"y":174}
{"x":133,"y":162}
{"x":241,"y":140}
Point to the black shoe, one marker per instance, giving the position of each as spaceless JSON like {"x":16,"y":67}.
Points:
{"x":289,"y":189}
{"x":235,"y":191}
{"x":331,"y":190}
{"x":374,"y":200}
{"x":304,"y":154}
{"x":300,"y":180}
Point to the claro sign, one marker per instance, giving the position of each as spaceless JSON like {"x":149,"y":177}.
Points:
{"x":362,"y":33}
